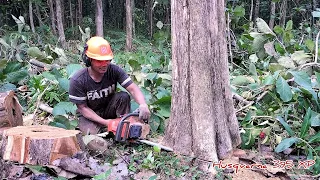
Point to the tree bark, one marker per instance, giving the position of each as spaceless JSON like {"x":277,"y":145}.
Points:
{"x":283,"y":13}
{"x":60,"y":24}
{"x":79,"y":12}
{"x":31,"y":17}
{"x":52,"y":17}
{"x":257,"y":9}
{"x":10,"y":110}
{"x":150,"y":16}
{"x":71,"y":16}
{"x":39,"y":145}
{"x":202,"y":122}
{"x":128,"y":25}
{"x":39,"y":15}
{"x":99,"y":18}
{"x":272,"y":14}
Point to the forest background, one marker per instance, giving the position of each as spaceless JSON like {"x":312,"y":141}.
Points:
{"x":273,"y":61}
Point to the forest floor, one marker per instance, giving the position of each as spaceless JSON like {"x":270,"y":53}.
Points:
{"x":109,"y":160}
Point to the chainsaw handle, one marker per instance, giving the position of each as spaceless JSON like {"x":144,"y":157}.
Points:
{"x":120,"y":126}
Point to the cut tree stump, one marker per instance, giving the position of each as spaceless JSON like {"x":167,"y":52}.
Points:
{"x":10,"y":110}
{"x":39,"y":145}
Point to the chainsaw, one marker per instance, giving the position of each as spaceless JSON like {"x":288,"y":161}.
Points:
{"x":129,"y":129}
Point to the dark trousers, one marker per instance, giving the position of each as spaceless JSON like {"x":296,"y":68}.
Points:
{"x":119,"y":104}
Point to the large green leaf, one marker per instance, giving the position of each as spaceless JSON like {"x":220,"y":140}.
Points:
{"x":242,"y":80}
{"x":12,"y":67}
{"x":16,"y":76}
{"x":283,"y":89}
{"x":263,"y":26}
{"x":63,"y":108}
{"x":72,"y":69}
{"x":258,"y":43}
{"x":302,"y":79}
{"x":310,"y":44}
{"x":285,"y":144}
{"x":286,"y":126}
{"x":289,"y":25}
{"x":315,"y":119}
{"x":239,"y":11}
{"x":35,"y":53}
{"x":154,"y":122}
{"x":300,"y":57}
{"x":7,"y":87}
{"x":64,"y":83}
{"x":49,"y":76}
{"x":286,"y":62}
{"x":61,"y":121}
{"x":306,"y":124}
{"x":315,"y":138}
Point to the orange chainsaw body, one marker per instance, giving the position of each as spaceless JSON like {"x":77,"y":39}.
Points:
{"x":113,"y":126}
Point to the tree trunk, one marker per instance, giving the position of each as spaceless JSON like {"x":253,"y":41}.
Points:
{"x":283,"y":13}
{"x":257,"y":9}
{"x":272,"y":14}
{"x":150,"y":16}
{"x":133,"y":23}
{"x":71,"y":16}
{"x":202,"y":122}
{"x":52,"y":17}
{"x":129,"y":25}
{"x":99,"y":18}
{"x":31,"y":17}
{"x":39,"y":145}
{"x":79,"y":12}
{"x":39,"y":15}
{"x":10,"y":110}
{"x":60,"y":24}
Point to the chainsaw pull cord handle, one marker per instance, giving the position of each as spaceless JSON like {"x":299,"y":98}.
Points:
{"x":121,"y":123}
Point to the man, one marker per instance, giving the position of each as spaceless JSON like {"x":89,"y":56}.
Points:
{"x":93,"y":89}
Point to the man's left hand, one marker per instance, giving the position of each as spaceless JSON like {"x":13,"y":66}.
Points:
{"x":144,"y":113}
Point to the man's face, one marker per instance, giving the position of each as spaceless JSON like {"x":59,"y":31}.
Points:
{"x":100,"y":66}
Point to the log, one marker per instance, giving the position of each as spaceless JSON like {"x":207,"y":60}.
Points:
{"x":10,"y":110}
{"x":39,"y":145}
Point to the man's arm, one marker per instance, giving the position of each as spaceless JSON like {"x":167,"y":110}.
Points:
{"x":91,"y":115}
{"x":135,"y":91}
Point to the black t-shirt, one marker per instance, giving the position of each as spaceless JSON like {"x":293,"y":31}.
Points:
{"x":84,"y":90}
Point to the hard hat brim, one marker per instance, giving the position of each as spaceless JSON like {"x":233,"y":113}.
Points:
{"x":100,"y":58}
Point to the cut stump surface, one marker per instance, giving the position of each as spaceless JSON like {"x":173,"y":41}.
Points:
{"x":39,"y":145}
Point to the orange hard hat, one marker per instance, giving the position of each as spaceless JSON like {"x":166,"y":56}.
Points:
{"x":99,"y":49}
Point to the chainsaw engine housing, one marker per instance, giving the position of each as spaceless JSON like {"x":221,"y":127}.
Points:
{"x":135,"y":131}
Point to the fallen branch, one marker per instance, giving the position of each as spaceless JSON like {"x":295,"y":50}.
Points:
{"x":309,"y":64}
{"x":240,"y":98}
{"x":43,"y":65}
{"x":45,"y":108}
{"x":252,"y":102}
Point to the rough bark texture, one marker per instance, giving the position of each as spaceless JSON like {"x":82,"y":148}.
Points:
{"x":52,"y":17}
{"x":10,"y":110}
{"x":203,"y":121}
{"x":39,"y":145}
{"x":99,"y":18}
{"x":62,"y":37}
{"x":257,"y":9}
{"x":80,"y":11}
{"x":31,"y":17}
{"x":129,"y":25}
{"x":39,"y":15}
{"x":283,"y":13}
{"x":272,"y":14}
{"x":71,"y":16}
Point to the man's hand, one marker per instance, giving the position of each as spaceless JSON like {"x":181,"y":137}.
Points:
{"x":144,"y":113}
